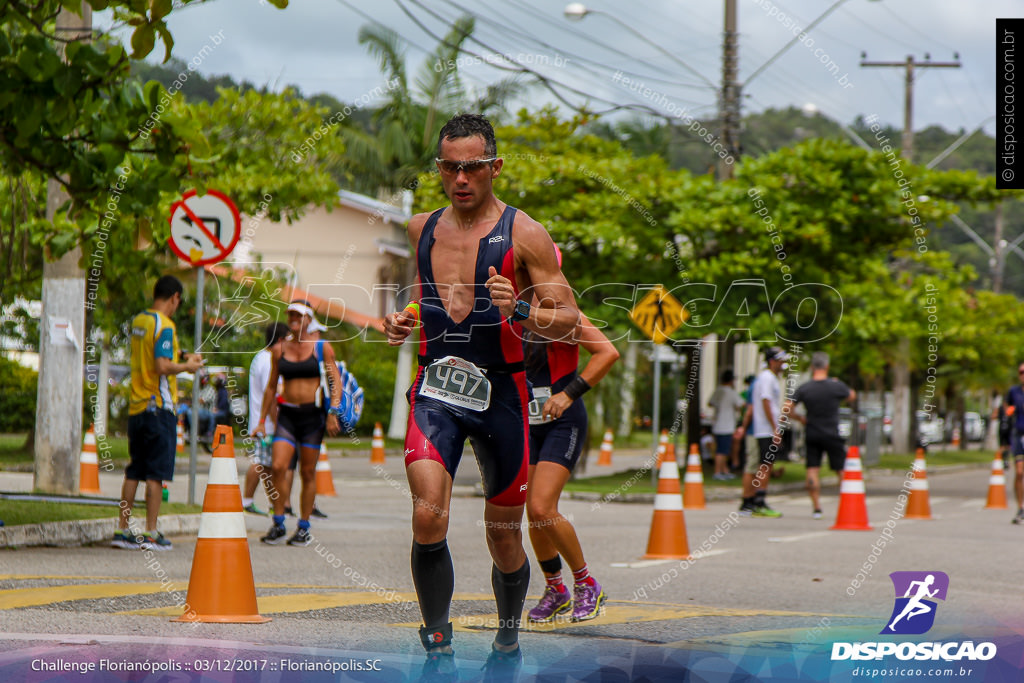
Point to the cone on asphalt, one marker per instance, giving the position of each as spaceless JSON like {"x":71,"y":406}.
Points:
{"x":377,"y":445}
{"x":324,"y":479}
{"x":180,"y":446}
{"x":853,"y":505}
{"x":693,"y":481}
{"x":997,"y":485}
{"x":89,"y":465}
{"x":667,"y":539}
{"x":604,"y":458}
{"x":919,"y":505}
{"x":662,"y":446}
{"x":221,"y":587}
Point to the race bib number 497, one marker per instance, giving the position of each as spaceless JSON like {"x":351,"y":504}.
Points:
{"x":457,"y":382}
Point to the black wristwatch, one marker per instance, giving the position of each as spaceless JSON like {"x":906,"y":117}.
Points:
{"x":521,"y":312}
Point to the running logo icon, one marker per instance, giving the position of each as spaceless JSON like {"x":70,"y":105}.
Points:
{"x":914,"y":612}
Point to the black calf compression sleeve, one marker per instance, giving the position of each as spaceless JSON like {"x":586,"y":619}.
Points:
{"x":434,"y":578}
{"x":510,"y":594}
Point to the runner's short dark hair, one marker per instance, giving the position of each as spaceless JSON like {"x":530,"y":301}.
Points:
{"x":468,"y":125}
{"x":166,"y":287}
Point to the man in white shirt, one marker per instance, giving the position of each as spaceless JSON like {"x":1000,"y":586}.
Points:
{"x":767,"y":408}
{"x":259,"y":374}
{"x":727,"y":404}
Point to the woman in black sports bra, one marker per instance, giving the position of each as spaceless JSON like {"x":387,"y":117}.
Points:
{"x":300,"y":417}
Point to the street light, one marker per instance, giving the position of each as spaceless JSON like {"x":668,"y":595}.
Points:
{"x":575,"y":11}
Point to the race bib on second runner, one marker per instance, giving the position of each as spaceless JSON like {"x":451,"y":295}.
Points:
{"x":457,"y":382}
{"x":540,"y":397}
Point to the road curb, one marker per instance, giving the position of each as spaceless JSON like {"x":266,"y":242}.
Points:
{"x":83,"y":531}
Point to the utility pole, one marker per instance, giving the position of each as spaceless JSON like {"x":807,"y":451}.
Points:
{"x":908,"y":92}
{"x":729,"y":100}
{"x":901,"y":414}
{"x":58,"y":428}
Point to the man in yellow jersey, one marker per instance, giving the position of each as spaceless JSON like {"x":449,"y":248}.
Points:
{"x":151,"y":424}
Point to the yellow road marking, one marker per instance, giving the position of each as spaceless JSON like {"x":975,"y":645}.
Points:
{"x":621,"y":613}
{"x":32,"y":597}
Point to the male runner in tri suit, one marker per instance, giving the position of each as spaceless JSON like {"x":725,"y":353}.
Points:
{"x":558,"y":428}
{"x":479,"y":262}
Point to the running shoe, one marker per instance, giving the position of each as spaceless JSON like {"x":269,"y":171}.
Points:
{"x":123,"y":538}
{"x":1019,"y":519}
{"x":300,"y":537}
{"x":251,"y":508}
{"x":765,"y":511}
{"x":157,"y":542}
{"x":317,"y":513}
{"x":275,"y":535}
{"x":587,"y":601}
{"x":816,"y":514}
{"x":503,"y":666}
{"x":746,"y":510}
{"x":439,"y":667}
{"x":551,"y":604}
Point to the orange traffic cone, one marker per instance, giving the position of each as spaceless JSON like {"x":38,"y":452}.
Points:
{"x":181,"y":437}
{"x":662,"y":446}
{"x":324,"y":480}
{"x":853,"y":505}
{"x":377,"y":445}
{"x":89,"y":465}
{"x":693,"y":481}
{"x":918,"y":507}
{"x":956,"y":436}
{"x":667,"y":540}
{"x":221,"y":587}
{"x":997,"y":485}
{"x":605,"y":456}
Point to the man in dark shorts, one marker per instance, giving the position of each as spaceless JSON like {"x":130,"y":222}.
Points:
{"x":152,"y":432}
{"x":479,"y":262}
{"x":821,"y":398}
{"x":1015,"y":404}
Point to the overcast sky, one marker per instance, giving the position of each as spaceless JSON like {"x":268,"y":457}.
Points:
{"x":313,"y":44}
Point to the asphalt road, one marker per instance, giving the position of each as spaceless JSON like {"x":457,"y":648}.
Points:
{"x":765,"y":601}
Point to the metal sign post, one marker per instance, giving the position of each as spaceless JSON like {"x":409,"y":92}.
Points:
{"x":193,"y":458}
{"x":204,"y":230}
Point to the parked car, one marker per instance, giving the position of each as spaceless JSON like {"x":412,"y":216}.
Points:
{"x":930,"y":429}
{"x":974,"y":427}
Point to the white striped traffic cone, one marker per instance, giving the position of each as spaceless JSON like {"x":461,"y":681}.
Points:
{"x":662,"y":446}
{"x":997,"y":485}
{"x":221,"y":587}
{"x":604,"y":458}
{"x":667,"y":539}
{"x":919,"y":505}
{"x":853,"y":505}
{"x":693,"y":481}
{"x":89,"y":465}
{"x":377,"y":445}
{"x":324,"y":480}
{"x":180,"y":445}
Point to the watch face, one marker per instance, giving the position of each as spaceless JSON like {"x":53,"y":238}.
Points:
{"x":522,"y":311}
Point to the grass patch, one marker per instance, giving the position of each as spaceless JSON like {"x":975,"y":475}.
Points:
{"x":903,"y":461}
{"x":14,"y":453}
{"x":14,"y":512}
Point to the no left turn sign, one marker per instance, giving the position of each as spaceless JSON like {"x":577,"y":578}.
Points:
{"x":204,"y":229}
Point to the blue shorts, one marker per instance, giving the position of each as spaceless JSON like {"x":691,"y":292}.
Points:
{"x":499,"y":435}
{"x":560,"y":441}
{"x":723,"y":444}
{"x":152,"y":440}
